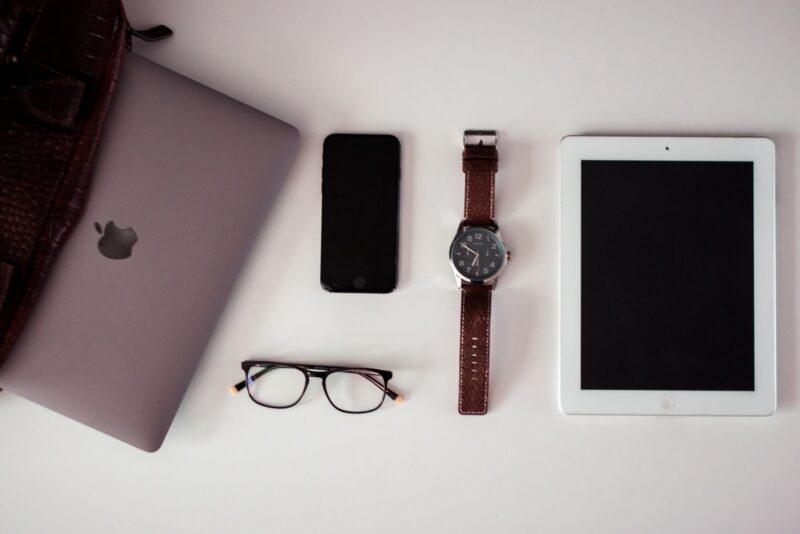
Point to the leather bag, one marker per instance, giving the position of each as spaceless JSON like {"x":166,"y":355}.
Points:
{"x":59,"y":62}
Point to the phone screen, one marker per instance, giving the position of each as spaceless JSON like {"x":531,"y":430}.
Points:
{"x":360,"y":189}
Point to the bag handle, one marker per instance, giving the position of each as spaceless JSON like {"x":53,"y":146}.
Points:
{"x":150,"y":35}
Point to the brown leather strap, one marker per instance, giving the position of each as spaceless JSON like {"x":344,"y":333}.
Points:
{"x":6,"y":277}
{"x":473,"y":380}
{"x":480,"y":165}
{"x":479,"y":162}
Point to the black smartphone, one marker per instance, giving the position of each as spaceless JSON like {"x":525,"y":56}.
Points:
{"x":360,"y":194}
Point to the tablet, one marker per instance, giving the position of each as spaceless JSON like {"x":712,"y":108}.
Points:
{"x":667,"y":276}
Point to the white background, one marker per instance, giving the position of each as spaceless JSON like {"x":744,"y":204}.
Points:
{"x":426,"y":71}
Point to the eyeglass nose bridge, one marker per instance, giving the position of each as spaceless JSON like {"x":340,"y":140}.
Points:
{"x":317,"y":374}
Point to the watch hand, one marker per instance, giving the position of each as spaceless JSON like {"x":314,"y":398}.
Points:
{"x":477,"y":256}
{"x":464,"y":245}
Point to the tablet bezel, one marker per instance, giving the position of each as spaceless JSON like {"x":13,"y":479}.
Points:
{"x":574,"y":400}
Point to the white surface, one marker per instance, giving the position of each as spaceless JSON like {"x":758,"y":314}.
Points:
{"x":426,"y":71}
{"x":759,"y":151}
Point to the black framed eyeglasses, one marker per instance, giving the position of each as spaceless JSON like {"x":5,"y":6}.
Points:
{"x":348,"y":389}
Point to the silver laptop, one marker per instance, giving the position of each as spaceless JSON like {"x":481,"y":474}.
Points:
{"x":184,"y":179}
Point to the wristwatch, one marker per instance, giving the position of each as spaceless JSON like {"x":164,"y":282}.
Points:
{"x":477,"y":256}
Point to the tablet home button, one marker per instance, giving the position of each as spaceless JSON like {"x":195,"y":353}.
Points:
{"x":667,"y":403}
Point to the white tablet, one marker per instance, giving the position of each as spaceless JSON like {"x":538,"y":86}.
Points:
{"x":667,"y":276}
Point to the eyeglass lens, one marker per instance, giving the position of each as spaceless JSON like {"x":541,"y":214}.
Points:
{"x":355,"y":390}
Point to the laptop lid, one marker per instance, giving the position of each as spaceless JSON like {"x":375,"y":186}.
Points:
{"x":183,"y":181}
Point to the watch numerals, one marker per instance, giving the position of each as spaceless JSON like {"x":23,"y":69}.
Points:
{"x":476,"y":253}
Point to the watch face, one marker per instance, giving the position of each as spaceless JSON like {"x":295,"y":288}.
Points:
{"x":477,"y":254}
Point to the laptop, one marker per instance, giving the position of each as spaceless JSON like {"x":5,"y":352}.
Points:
{"x":183,"y":181}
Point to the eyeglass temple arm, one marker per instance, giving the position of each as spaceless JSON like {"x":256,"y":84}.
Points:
{"x":239,"y":386}
{"x":397,"y":398}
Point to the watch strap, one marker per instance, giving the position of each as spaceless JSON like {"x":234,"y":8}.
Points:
{"x":479,"y":163}
{"x":473,"y":381}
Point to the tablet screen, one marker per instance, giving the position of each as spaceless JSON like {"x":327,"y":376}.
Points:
{"x":667,"y":275}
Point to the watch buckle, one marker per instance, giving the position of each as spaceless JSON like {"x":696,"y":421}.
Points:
{"x":480,"y":137}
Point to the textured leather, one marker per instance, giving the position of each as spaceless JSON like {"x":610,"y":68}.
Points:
{"x":480,"y":165}
{"x":473,"y":377}
{"x":59,"y":61}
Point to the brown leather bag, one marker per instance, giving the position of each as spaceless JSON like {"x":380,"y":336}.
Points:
{"x":59,"y":61}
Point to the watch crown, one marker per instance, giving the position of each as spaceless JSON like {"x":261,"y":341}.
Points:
{"x":508,"y":255}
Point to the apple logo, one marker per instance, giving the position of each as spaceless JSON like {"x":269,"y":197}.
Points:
{"x":115,"y":243}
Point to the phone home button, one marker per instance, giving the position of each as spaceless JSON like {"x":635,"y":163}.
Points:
{"x":667,"y":403}
{"x":359,"y":282}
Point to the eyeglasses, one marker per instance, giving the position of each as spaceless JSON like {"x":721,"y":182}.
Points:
{"x":349,"y":389}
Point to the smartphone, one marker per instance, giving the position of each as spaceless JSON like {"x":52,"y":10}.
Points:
{"x":360,"y":195}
